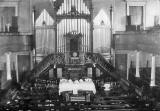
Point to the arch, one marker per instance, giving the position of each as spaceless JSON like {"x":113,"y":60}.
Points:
{"x":44,"y":18}
{"x":101,"y":33}
{"x":102,"y":16}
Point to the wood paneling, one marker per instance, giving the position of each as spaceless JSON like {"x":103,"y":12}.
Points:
{"x":14,"y":43}
{"x":23,"y":66}
{"x":147,"y":41}
{"x":121,"y":64}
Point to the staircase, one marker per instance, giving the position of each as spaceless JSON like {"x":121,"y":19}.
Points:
{"x":76,"y":68}
{"x":41,"y":96}
{"x":48,"y":61}
{"x":101,"y":63}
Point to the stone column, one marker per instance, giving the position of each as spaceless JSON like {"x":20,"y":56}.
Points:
{"x":152,"y":83}
{"x":17,"y":75}
{"x":91,"y":28}
{"x":137,"y":64}
{"x":128,"y":65}
{"x":31,"y":59}
{"x":8,"y":66}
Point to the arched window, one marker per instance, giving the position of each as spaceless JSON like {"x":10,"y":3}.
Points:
{"x":101,"y":36}
{"x":102,"y":17}
{"x":44,"y":18}
{"x":45,"y":34}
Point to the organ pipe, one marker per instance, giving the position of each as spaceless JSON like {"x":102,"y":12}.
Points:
{"x":60,"y":32}
{"x":58,"y":38}
{"x":64,"y":26}
{"x":84,"y":25}
{"x":62,"y":36}
{"x":65,"y":34}
{"x":77,"y":17}
{"x":83,"y":29}
{"x":77,"y":24}
{"x":88,"y":28}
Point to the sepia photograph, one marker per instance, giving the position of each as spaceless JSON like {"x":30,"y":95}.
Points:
{"x":79,"y":55}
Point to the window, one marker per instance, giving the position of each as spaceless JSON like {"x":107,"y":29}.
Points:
{"x":136,"y":14}
{"x":136,"y":9}
{"x":8,"y":16}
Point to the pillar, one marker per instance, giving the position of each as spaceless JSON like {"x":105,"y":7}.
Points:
{"x":128,"y":65}
{"x":8,"y":66}
{"x":34,"y":36}
{"x":137,"y":64}
{"x":152,"y":83}
{"x":17,"y":75}
{"x":91,"y":28}
{"x":55,"y":27}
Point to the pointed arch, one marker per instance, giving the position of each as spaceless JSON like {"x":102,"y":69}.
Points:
{"x":102,"y":17}
{"x":44,"y":18}
{"x":45,"y":34}
{"x":101,"y":33}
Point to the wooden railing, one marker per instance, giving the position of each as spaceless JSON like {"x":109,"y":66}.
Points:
{"x":51,"y":59}
{"x":142,"y":41}
{"x":74,"y":60}
{"x":99,"y":60}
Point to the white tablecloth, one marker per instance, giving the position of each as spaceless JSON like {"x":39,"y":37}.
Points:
{"x":69,"y":85}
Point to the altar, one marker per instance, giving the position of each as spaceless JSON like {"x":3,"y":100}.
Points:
{"x":86,"y":85}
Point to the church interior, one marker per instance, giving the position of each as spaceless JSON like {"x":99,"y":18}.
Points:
{"x":79,"y":55}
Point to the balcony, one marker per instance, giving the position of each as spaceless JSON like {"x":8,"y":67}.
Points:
{"x":146,"y":41}
{"x":15,"y":42}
